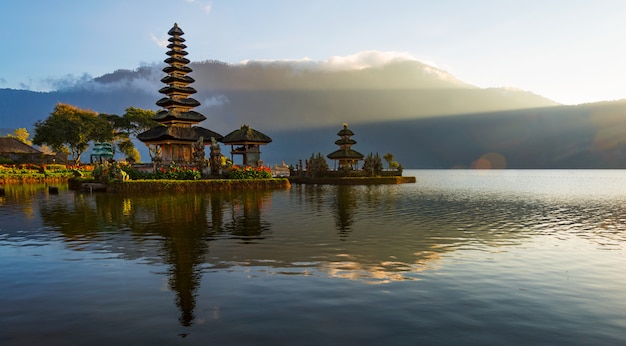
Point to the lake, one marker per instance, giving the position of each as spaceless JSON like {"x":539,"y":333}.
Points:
{"x":513,"y":257}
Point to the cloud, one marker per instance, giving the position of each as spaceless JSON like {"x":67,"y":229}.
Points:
{"x":206,"y":6}
{"x":67,"y":81}
{"x":215,"y":101}
{"x":365,"y":59}
{"x":357,"y":61}
{"x":3,"y":81}
{"x":161,"y":42}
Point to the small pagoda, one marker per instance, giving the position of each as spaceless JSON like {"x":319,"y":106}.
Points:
{"x":177,"y":133}
{"x":347,"y":158}
{"x":246,"y":142}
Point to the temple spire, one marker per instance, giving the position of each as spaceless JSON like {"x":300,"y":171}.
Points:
{"x":177,"y":131}
{"x":179,"y":106}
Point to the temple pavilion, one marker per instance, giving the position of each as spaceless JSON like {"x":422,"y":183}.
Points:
{"x":247,"y":143}
{"x":177,"y":131}
{"x":347,"y":158}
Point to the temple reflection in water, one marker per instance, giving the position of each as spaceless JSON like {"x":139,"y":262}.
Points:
{"x":334,"y":231}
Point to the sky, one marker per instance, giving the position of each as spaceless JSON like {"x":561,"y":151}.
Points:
{"x":570,"y":51}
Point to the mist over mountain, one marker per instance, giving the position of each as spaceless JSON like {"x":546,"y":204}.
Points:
{"x":423,"y":115}
{"x":281,"y":95}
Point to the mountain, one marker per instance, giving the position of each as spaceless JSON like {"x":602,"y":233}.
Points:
{"x":425,"y":116}
{"x":583,"y":136}
{"x":279,"y":95}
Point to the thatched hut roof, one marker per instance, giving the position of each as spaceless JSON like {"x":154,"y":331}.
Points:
{"x":189,"y":134}
{"x":246,"y":135}
{"x":345,"y":154}
{"x":15,"y":146}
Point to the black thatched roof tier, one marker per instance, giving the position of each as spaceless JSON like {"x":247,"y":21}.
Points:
{"x":190,"y":134}
{"x":345,"y":131}
{"x":169,"y":79}
{"x":175,"y":52}
{"x":191,"y":116}
{"x":345,"y":154}
{"x":182,"y":69}
{"x":176,"y":39}
{"x":177,"y":44}
{"x":173,"y":60}
{"x":175,"y":30}
{"x":246,"y":135}
{"x":345,"y":141}
{"x":168,"y":102}
{"x":172,"y":89}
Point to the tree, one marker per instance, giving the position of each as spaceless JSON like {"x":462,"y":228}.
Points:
{"x":373,"y":165}
{"x":133,"y":122}
{"x":128,"y":149}
{"x":69,"y":128}
{"x":22,"y":135}
{"x":118,"y":134}
{"x":138,"y":120}
{"x":389,"y":158}
{"x":133,"y":155}
{"x":318,"y":167}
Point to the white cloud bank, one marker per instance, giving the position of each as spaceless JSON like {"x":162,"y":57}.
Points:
{"x":357,"y":61}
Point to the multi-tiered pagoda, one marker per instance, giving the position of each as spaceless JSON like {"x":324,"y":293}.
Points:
{"x":177,"y":131}
{"x":347,"y":157}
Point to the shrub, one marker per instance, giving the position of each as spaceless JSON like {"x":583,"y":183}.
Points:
{"x":318,"y":167}
{"x":248,"y":172}
{"x":373,"y":165}
{"x":170,"y":173}
{"x":55,"y":167}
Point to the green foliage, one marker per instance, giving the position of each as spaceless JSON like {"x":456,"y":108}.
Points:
{"x":139,"y":120}
{"x":133,"y":122}
{"x":107,"y":171}
{"x":248,"y":172}
{"x":133,"y":155}
{"x":173,"y":186}
{"x":373,"y":165}
{"x":22,"y":135}
{"x":72,"y":128}
{"x":170,"y":173}
{"x":391,"y":163}
{"x":127,"y":148}
{"x":31,"y":171}
{"x":389,"y":158}
{"x":318,"y":167}
{"x":55,"y":167}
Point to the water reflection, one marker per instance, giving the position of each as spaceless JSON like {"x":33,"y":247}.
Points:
{"x":172,"y":229}
{"x":344,"y":204}
{"x":376,"y":234}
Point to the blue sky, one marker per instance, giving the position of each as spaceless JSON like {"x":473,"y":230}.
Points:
{"x":571,"y":51}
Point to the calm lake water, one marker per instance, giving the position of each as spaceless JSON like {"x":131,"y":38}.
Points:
{"x":460,"y":257}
